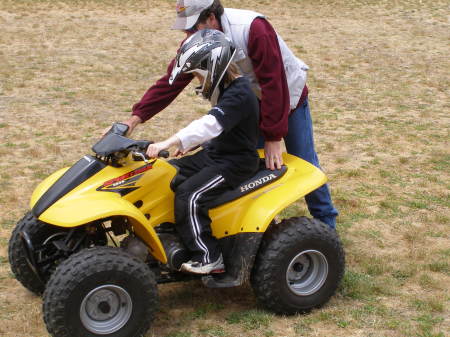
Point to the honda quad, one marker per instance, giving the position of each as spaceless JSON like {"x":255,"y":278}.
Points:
{"x":100,"y":236}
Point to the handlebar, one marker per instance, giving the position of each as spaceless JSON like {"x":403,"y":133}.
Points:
{"x":139,"y":156}
{"x":164,"y":154}
{"x":115,"y":145}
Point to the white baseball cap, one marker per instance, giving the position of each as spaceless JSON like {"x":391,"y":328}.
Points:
{"x":188,"y":12}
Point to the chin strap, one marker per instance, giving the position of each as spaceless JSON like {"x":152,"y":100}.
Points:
{"x":214,"y":97}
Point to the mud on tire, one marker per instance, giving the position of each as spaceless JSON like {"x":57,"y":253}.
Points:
{"x":101,"y":291}
{"x":298,"y":267}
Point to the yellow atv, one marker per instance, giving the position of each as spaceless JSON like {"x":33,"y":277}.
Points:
{"x":67,"y":247}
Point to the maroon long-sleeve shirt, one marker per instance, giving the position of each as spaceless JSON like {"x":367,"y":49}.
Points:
{"x":264,"y":52}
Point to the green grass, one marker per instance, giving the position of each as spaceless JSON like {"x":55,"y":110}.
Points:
{"x":180,"y":334}
{"x":214,"y":331}
{"x":360,"y":286}
{"x":433,"y":305}
{"x":251,"y":319}
{"x":440,"y":267}
{"x":428,"y":324}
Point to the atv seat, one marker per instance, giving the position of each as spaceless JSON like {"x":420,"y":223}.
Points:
{"x":262,"y":178}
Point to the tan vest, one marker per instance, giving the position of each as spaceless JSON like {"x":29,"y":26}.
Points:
{"x":236,"y":26}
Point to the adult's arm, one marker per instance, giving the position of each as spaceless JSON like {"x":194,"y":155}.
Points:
{"x":160,"y":95}
{"x":265,"y":54}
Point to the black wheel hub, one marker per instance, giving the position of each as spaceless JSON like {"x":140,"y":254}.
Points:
{"x":104,"y":307}
{"x":298,"y":267}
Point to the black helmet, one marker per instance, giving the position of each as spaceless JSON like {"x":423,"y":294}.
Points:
{"x":209,"y":53}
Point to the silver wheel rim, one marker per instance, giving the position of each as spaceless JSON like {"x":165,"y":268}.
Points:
{"x":106,"y":309}
{"x":307,"y":272}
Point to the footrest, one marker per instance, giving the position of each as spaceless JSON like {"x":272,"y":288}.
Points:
{"x":221,"y":281}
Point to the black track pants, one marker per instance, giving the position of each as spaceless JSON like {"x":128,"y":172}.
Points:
{"x":203,"y":184}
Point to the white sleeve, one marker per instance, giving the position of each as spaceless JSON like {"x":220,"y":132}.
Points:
{"x":199,"y":131}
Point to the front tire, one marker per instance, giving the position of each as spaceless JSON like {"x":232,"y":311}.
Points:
{"x":38,"y":232}
{"x":298,"y":267}
{"x":102,"y":291}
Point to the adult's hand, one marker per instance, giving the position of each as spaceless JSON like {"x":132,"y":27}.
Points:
{"x":132,"y":122}
{"x":272,"y":154}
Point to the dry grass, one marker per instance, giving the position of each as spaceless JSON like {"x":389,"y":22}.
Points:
{"x":380,"y":101}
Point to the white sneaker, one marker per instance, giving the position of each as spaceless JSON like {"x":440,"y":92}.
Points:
{"x":203,"y":269}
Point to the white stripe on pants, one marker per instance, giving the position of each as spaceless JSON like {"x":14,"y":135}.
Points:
{"x":193,"y":214}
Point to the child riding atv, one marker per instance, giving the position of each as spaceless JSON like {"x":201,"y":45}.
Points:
{"x":230,"y":157}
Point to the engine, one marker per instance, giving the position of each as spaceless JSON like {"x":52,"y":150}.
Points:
{"x":176,"y":252}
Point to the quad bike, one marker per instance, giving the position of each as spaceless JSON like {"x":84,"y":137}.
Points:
{"x":67,"y":246}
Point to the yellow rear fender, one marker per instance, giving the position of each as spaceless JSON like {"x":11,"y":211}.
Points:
{"x":254,"y":212}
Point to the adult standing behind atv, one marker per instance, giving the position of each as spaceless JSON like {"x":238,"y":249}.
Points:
{"x":230,"y":156}
{"x":277,"y":77}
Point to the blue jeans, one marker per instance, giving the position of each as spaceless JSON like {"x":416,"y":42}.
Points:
{"x":300,"y":142}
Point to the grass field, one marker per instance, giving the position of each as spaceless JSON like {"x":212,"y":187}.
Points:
{"x":379,"y":93}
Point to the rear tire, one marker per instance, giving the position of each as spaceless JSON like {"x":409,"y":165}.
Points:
{"x":298,"y":267}
{"x":38,"y":231}
{"x":102,"y":291}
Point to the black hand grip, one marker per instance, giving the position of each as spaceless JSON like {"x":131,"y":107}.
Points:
{"x":119,"y":129}
{"x":164,"y":154}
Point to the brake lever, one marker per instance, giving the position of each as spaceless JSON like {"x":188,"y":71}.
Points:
{"x":138,"y":156}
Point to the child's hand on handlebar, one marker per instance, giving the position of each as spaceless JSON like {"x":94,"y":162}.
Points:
{"x":154,"y":149}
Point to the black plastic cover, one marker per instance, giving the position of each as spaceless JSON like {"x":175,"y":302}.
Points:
{"x":112,"y":143}
{"x":85,"y":168}
{"x":119,"y":129}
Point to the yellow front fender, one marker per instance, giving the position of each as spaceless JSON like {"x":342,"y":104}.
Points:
{"x":76,"y":211}
{"x":45,"y":185}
